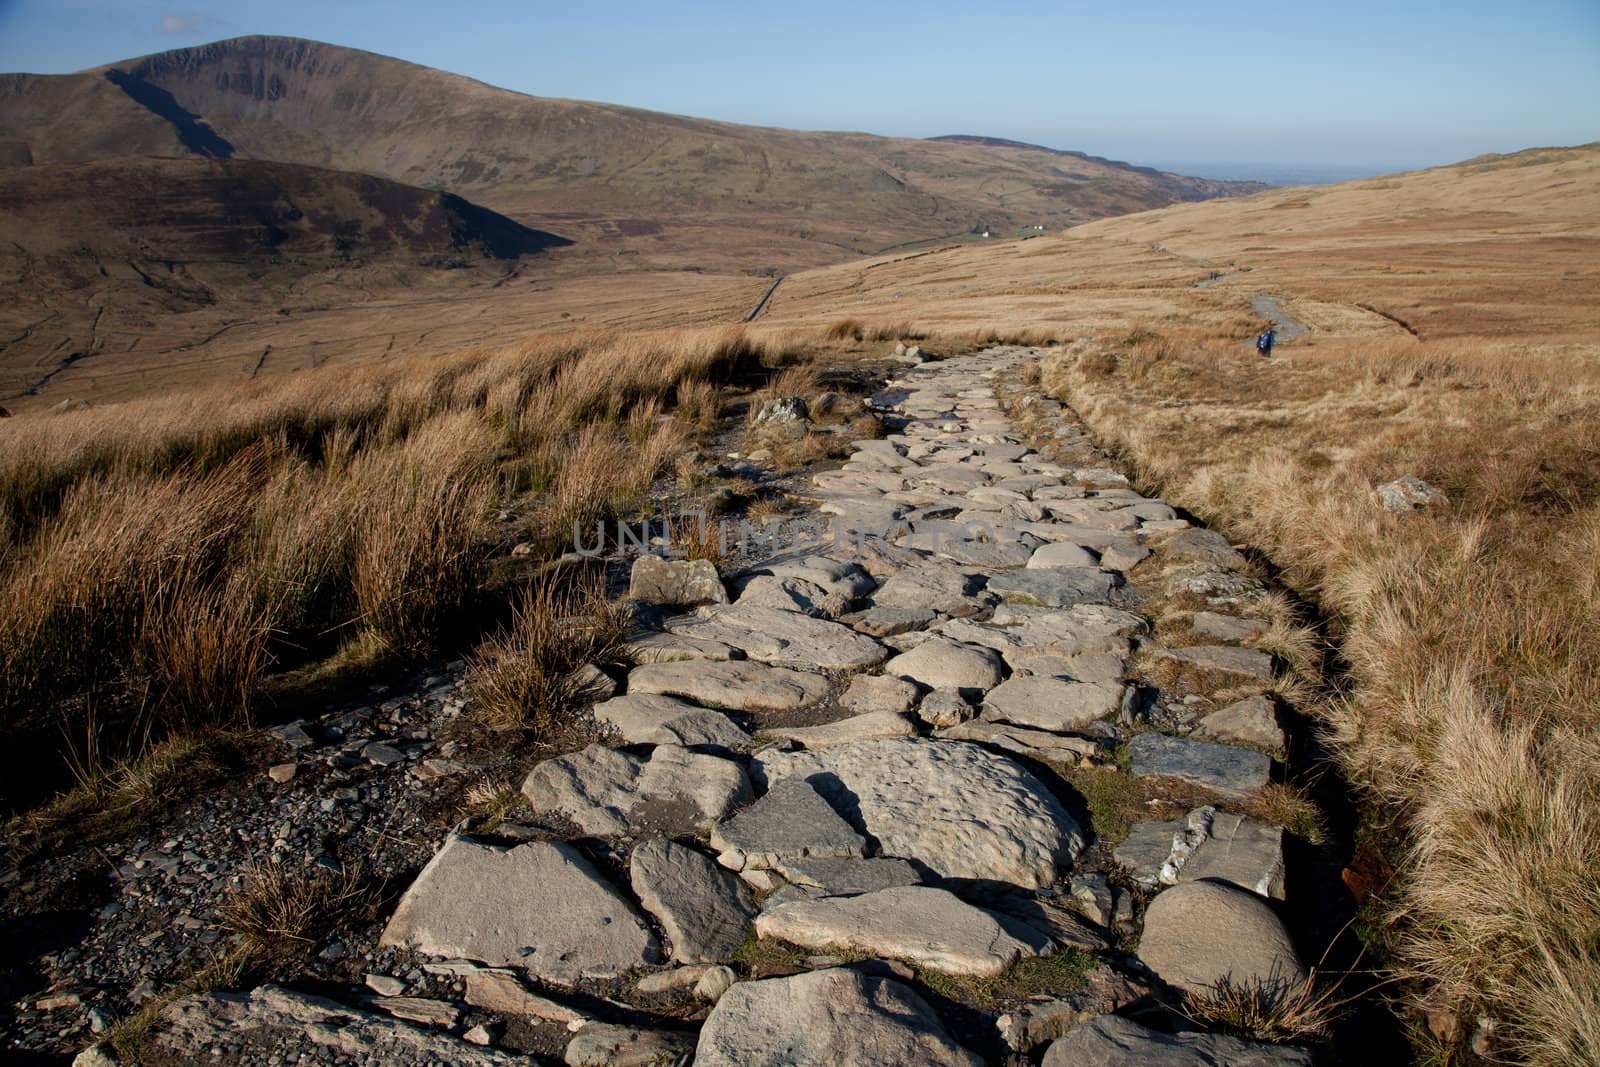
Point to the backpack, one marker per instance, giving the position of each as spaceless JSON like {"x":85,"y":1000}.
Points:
{"x":1263,"y":341}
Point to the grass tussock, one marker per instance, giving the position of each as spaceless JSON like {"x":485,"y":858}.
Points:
{"x":277,"y":912}
{"x":530,"y":674}
{"x":1263,"y":1010}
{"x":1467,"y":627}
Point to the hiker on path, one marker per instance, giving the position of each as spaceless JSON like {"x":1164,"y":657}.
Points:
{"x":1265,"y":342}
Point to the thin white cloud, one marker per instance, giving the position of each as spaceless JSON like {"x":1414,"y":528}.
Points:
{"x":180,"y":24}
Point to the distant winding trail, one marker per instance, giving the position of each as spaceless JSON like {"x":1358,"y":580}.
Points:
{"x":1267,"y":307}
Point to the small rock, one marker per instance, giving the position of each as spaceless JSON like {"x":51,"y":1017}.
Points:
{"x":879,"y":692}
{"x":704,"y":911}
{"x":282,"y":772}
{"x":734,"y":684}
{"x":1216,"y":627}
{"x":944,"y":708}
{"x":715,"y":982}
{"x":420,"y":1010}
{"x":1408,"y":493}
{"x":1222,"y":659}
{"x":385,"y":985}
{"x":606,"y":1045}
{"x":1250,"y":721}
{"x":1052,"y":704}
{"x":856,"y":728}
{"x":480,"y":1035}
{"x":503,"y":992}
{"x":677,"y":582}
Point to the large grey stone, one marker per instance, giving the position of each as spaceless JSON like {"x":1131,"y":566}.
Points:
{"x":831,"y":1018}
{"x":1202,"y":546}
{"x":1223,"y":659}
{"x":855,"y":728}
{"x":928,"y":927}
{"x":654,"y":719}
{"x":737,"y":685}
{"x":1200,"y":933}
{"x":1061,"y":554}
{"x":883,"y":620}
{"x":1112,"y":1041}
{"x":680,"y":582}
{"x":1055,"y":587}
{"x":1224,"y":769}
{"x":940,"y":587}
{"x":540,"y":906}
{"x":793,"y":594}
{"x":783,"y":637}
{"x":791,"y":822}
{"x":940,"y":663}
{"x":655,"y":647}
{"x":1250,"y":721}
{"x":1052,"y":704}
{"x":1216,"y":627}
{"x":996,"y":554}
{"x":610,"y":1045}
{"x":275,"y":1022}
{"x":954,"y":808}
{"x":704,"y":911}
{"x":605,"y":791}
{"x":1240,"y":850}
{"x":879,"y":692}
{"x":841,"y":877}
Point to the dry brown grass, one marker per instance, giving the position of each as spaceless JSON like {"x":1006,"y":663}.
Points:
{"x":177,"y":553}
{"x":528,"y":675}
{"x":277,"y":911}
{"x":1265,"y":1010}
{"x":1468,"y":629}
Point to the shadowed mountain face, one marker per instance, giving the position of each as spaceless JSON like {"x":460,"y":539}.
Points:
{"x":133,"y":261}
{"x":657,"y":184}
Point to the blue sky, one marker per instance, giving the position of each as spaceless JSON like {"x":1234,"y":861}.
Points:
{"x":1385,"y":85}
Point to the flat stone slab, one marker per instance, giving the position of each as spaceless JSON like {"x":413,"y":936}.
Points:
{"x":844,"y":877}
{"x":862,"y":727}
{"x":928,"y":927}
{"x":1224,"y":769}
{"x":883,"y":620}
{"x":671,"y":648}
{"x":1224,"y":659}
{"x":607,"y":792}
{"x":1036,"y":744}
{"x":995,"y":554}
{"x":875,"y":692}
{"x":609,"y":1045}
{"x":1244,"y":851}
{"x":273,"y":1021}
{"x":1113,"y":1041}
{"x":654,"y":719}
{"x":792,"y":594}
{"x":1250,"y":721}
{"x":783,"y":637}
{"x":1217,"y":627}
{"x":738,"y":685}
{"x":956,"y":809}
{"x":1055,"y":587}
{"x":790,"y":823}
{"x":944,"y":588}
{"x":1052,"y":704}
{"x":831,"y":1018}
{"x":1061,"y":554}
{"x":1202,"y":546}
{"x":540,"y":906}
{"x":940,"y":663}
{"x":1199,"y":933}
{"x":704,"y":911}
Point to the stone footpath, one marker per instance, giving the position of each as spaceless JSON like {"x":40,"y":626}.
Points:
{"x":858,"y":760}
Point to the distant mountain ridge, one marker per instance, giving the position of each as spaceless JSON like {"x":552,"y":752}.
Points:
{"x":801,"y":197}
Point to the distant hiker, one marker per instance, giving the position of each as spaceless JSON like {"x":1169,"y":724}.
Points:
{"x":1265,"y":342}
